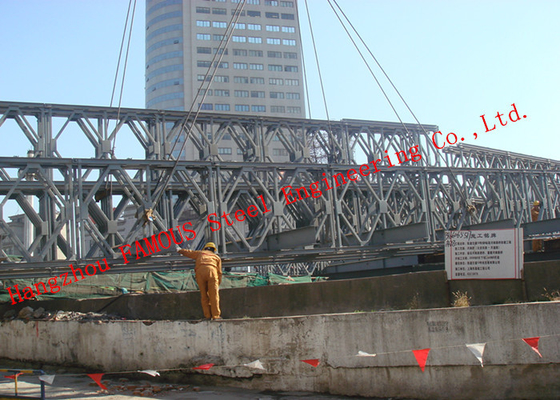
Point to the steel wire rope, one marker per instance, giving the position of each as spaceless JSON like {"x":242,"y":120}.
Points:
{"x":158,"y":191}
{"x":390,"y":81}
{"x":124,"y":68}
{"x":109,"y":182}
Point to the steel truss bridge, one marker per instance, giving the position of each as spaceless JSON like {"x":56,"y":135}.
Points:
{"x":88,"y":165}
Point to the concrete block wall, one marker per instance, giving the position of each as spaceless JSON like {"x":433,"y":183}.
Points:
{"x":512,"y":369}
{"x":392,"y":292}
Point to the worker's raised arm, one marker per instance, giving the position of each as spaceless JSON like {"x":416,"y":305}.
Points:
{"x":188,"y":253}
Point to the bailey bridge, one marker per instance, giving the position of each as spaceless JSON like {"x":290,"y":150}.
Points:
{"x":75,"y":205}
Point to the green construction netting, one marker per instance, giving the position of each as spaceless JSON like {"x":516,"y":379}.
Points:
{"x":144,"y":282}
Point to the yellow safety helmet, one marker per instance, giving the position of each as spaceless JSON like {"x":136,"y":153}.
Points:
{"x":536,"y":203}
{"x":211,"y":245}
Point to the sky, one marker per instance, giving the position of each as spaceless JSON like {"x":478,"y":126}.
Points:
{"x":452,"y":62}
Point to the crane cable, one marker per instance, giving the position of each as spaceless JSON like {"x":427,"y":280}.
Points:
{"x":160,"y":188}
{"x":390,"y":81}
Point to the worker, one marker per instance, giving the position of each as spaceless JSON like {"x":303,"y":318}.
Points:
{"x":208,"y":271}
{"x":535,"y":212}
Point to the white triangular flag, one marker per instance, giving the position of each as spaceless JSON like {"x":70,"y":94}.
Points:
{"x":478,"y":350}
{"x":47,"y":378}
{"x":255,"y":364}
{"x":150,"y":372}
{"x":364,"y":354}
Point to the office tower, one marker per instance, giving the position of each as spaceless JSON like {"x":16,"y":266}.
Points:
{"x":259,"y":74}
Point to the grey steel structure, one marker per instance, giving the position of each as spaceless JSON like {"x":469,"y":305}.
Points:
{"x":398,"y":211}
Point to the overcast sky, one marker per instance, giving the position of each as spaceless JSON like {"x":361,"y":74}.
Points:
{"x":451,"y":60}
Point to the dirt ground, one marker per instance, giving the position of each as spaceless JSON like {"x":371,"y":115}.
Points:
{"x":82,"y":387}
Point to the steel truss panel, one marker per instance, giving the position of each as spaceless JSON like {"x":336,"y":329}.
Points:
{"x":81,"y":198}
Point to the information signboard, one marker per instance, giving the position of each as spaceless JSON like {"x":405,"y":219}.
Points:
{"x":487,"y":254}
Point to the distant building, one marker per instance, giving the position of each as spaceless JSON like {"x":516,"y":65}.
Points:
{"x":259,"y":74}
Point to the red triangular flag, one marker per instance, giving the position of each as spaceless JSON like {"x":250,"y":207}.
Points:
{"x":313,"y":362}
{"x":97,"y":379}
{"x":534,"y":343}
{"x":421,"y":357}
{"x":204,"y":366}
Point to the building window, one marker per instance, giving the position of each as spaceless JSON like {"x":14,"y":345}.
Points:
{"x":272,"y":15}
{"x":294,"y":110}
{"x":293,"y":56}
{"x":203,"y":10}
{"x":274,"y":54}
{"x":204,"y":92}
{"x":288,"y":16}
{"x":253,"y":13}
{"x":206,"y":106}
{"x":270,"y":2}
{"x":268,"y":40}
{"x":254,"y":27}
{"x":223,"y":64}
{"x":288,"y":29}
{"x":272,"y":67}
{"x":204,"y":50}
{"x":257,"y":94}
{"x":239,"y":52}
{"x":252,"y":39}
{"x":291,"y":68}
{"x":277,"y":109}
{"x":257,"y":81}
{"x":239,"y":39}
{"x":273,"y":28}
{"x":240,"y":79}
{"x":289,"y":42}
{"x":219,"y":24}
{"x":241,"y":93}
{"x":240,"y":25}
{"x":292,"y":82}
{"x":218,"y":38}
{"x":220,"y":51}
{"x":241,"y":107}
{"x":219,"y":11}
{"x":276,"y":95}
{"x":224,"y":150}
{"x":258,"y":108}
{"x":240,"y":65}
{"x":255,"y":53}
{"x":164,"y":56}
{"x":287,"y":4}
{"x":256,"y":2}
{"x":221,"y":107}
{"x":203,"y":64}
{"x":221,"y":78}
{"x":293,"y":96}
{"x":258,"y":67}
{"x":279,"y":152}
{"x":275,"y":81}
{"x":200,"y":78}
{"x":221,"y":92}
{"x":203,"y":36}
{"x":204,"y":24}
{"x":242,"y":13}
{"x":239,"y":152}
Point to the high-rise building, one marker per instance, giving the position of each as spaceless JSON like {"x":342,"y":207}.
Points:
{"x":259,"y":72}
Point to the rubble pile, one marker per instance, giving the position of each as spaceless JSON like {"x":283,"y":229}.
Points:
{"x":27,"y":314}
{"x":144,"y":389}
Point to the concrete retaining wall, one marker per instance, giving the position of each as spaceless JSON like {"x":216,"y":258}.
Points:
{"x":392,"y":292}
{"x":512,"y":370}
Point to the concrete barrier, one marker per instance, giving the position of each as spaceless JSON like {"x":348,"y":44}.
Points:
{"x":511,"y":368}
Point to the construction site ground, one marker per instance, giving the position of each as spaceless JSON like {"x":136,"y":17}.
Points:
{"x":82,"y":387}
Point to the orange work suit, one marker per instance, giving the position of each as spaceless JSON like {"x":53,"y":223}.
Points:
{"x":208,"y":271}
